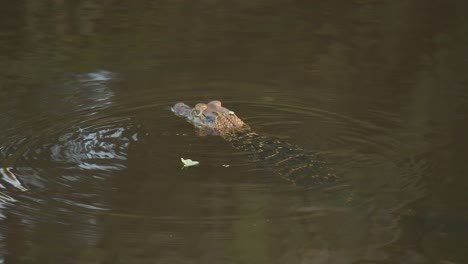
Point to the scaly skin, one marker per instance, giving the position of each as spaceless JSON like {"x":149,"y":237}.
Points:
{"x":293,"y":163}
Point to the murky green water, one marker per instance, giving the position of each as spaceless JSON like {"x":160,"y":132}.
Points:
{"x":377,"y":88}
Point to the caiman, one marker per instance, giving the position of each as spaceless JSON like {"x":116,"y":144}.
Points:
{"x":291,"y":162}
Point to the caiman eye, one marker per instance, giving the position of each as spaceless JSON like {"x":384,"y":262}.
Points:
{"x":198,"y":109}
{"x":197,"y":112}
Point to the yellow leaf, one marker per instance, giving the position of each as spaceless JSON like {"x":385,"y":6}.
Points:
{"x":189,"y":162}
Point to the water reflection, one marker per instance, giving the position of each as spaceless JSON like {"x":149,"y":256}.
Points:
{"x":11,"y":178}
{"x":84,"y":148}
{"x":90,"y":90}
{"x":72,"y":158}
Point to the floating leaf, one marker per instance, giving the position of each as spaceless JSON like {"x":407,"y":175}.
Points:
{"x":189,"y":162}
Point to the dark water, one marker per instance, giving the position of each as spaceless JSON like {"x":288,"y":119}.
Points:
{"x":377,"y":88}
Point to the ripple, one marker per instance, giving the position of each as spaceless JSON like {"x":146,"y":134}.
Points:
{"x":82,"y":205}
{"x":376,"y":155}
{"x":77,"y":151}
{"x":81,"y":163}
{"x":107,"y":142}
{"x":350,"y":144}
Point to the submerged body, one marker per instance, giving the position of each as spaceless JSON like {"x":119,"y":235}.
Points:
{"x":291,"y":162}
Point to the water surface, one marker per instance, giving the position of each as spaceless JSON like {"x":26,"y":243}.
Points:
{"x":377,"y":89}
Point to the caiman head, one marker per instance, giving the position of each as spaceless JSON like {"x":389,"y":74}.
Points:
{"x":211,"y":118}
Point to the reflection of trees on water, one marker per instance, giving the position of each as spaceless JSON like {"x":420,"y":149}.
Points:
{"x":413,"y":53}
